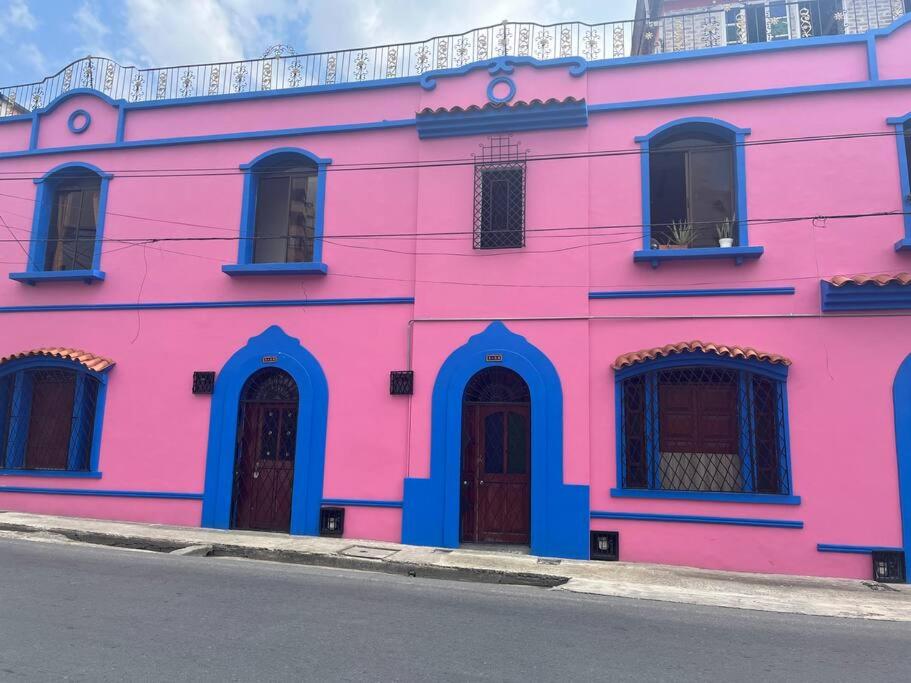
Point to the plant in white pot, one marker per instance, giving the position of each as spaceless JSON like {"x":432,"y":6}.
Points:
{"x":725,"y":232}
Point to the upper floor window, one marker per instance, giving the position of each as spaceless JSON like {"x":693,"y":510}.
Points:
{"x":760,"y":22}
{"x":48,"y":412}
{"x":499,"y":200}
{"x":699,"y":422}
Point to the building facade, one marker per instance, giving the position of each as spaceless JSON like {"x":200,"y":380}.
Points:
{"x":641,"y":306}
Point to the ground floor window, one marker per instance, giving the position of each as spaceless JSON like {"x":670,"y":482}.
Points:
{"x":703,"y":428}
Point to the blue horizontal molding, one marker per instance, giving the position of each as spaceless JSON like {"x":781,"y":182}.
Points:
{"x":657,"y":256}
{"x":717,"y":497}
{"x":502,"y":118}
{"x":57,"y":474}
{"x":103,"y":493}
{"x":357,"y":502}
{"x":864,"y":297}
{"x":35,"y":276}
{"x":697,"y":519}
{"x":273,"y":269}
{"x":679,"y":293}
{"x":166,"y":305}
{"x":853,"y":549}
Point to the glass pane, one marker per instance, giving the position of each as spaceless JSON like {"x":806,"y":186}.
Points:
{"x":63,"y":229}
{"x":502,"y":208}
{"x":6,"y":400}
{"x":271,"y":230}
{"x":493,"y":443}
{"x":268,"y":441}
{"x":778,"y":21}
{"x":517,"y":443}
{"x":288,"y":433}
{"x":302,"y":216}
{"x":711,"y":189}
{"x":756,"y":23}
{"x":667,"y":180}
{"x":50,"y":419}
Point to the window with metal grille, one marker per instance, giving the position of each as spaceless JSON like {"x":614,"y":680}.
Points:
{"x":703,"y":428}
{"x":285,"y":216}
{"x":47,"y":419}
{"x":73,"y":223}
{"x":499,"y":195}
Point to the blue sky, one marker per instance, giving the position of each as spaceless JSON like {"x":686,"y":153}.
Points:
{"x":41,"y":36}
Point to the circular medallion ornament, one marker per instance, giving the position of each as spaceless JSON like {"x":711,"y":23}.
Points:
{"x":501,"y":90}
{"x":78,"y":121}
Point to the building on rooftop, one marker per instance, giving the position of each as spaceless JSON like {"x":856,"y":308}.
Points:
{"x":545,"y":286}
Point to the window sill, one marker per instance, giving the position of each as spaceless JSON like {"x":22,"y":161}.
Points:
{"x":737,"y":254}
{"x":768,"y":498}
{"x":243,"y":269}
{"x":36,"y":276}
{"x":903,"y":245}
{"x":63,"y":474}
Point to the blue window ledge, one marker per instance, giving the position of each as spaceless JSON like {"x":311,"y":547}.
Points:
{"x":36,"y":276}
{"x":903,"y":244}
{"x":309,"y":268}
{"x":771,"y":498}
{"x":63,"y":474}
{"x":657,"y":256}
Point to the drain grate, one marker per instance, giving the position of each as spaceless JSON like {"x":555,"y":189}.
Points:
{"x":369,"y":553}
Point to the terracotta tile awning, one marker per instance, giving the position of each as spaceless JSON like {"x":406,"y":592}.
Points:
{"x":88,"y":360}
{"x":880,"y":280}
{"x":497,"y":105}
{"x":742,"y":352}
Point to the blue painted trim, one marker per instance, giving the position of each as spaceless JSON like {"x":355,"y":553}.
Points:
{"x":676,"y":293}
{"x":865,"y":297}
{"x":853,"y":549}
{"x":76,"y":92}
{"x":901,"y":398}
{"x":764,"y":498}
{"x":104,"y":493}
{"x":721,"y":130}
{"x":36,"y":276}
{"x":71,"y":121}
{"x":559,"y":511}
{"x":902,"y":126}
{"x":309,"y":454}
{"x":658,"y":256}
{"x":872,"y":61}
{"x":506,"y":65}
{"x":245,"y":251}
{"x":60,"y":170}
{"x":502,"y":119}
{"x":775,"y":371}
{"x":55,"y":474}
{"x":167,"y":305}
{"x":511,"y":92}
{"x":304,"y":268}
{"x":355,"y":502}
{"x":698,"y":519}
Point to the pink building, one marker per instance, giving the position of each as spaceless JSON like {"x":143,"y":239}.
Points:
{"x":513,"y":286}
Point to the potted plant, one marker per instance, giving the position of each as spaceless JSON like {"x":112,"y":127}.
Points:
{"x":725,"y":232}
{"x":680,"y":236}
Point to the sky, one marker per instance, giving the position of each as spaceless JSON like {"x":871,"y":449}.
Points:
{"x":40,"y":37}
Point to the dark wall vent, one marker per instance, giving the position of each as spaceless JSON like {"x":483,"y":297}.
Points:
{"x":605,"y":545}
{"x":203,"y":382}
{"x":331,"y":521}
{"x":889,"y":566}
{"x":401,"y":382}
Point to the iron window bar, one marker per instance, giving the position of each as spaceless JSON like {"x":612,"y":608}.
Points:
{"x":499,"y":194}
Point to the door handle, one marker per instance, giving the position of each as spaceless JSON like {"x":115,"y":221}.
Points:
{"x":481,"y":482}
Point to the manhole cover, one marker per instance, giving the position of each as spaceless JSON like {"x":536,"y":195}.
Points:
{"x":369,"y":553}
{"x":545,"y":560}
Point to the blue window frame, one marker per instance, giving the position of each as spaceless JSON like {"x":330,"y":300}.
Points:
{"x":50,"y":417}
{"x":694,"y":192}
{"x":697,"y":425}
{"x":281,"y":227}
{"x":68,"y":225}
{"x":903,"y":140}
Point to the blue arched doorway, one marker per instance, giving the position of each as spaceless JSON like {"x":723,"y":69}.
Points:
{"x":901,"y":392}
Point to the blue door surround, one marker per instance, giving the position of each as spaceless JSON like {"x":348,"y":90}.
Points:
{"x":272,"y":348}
{"x":901,"y":392}
{"x":559,"y":512}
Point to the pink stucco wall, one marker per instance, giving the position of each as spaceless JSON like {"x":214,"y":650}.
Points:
{"x":155,"y":431}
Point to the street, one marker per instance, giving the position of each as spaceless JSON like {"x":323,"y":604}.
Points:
{"x":91,"y":613}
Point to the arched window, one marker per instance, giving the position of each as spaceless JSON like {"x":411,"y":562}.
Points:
{"x":697,"y":417}
{"x":50,"y":401}
{"x":282,"y":219}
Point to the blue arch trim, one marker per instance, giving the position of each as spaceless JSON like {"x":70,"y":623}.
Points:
{"x":41,"y":221}
{"x":724,"y":131}
{"x":559,"y":512}
{"x":901,"y":396}
{"x":309,"y":454}
{"x":245,"y":264}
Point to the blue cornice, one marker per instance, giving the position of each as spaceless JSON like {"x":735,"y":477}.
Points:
{"x":866,"y":297}
{"x":168,"y":305}
{"x":502,"y":119}
{"x":853,"y":549}
{"x":678,"y":293}
{"x":356,"y":502}
{"x":710,"y":496}
{"x":105,"y":493}
{"x":698,"y":519}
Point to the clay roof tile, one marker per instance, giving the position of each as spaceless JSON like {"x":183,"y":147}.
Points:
{"x":88,"y":360}
{"x":742,"y":352}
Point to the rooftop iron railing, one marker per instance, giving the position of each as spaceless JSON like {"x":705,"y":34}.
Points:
{"x":281,"y":68}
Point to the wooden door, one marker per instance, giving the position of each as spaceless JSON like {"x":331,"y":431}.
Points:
{"x":265,"y":466}
{"x":496,"y":474}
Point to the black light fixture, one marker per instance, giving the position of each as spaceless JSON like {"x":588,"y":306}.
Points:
{"x":605,"y":545}
{"x":401,"y":382}
{"x":889,"y":566}
{"x":331,"y":521}
{"x":203,"y":382}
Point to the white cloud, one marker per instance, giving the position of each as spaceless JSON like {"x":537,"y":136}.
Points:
{"x":87,"y":22}
{"x":19,"y":15}
{"x":31,"y":55}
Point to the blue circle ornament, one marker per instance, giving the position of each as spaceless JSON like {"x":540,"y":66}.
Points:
{"x":491,"y":87}
{"x":79,"y":121}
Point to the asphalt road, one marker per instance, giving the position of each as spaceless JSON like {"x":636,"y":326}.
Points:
{"x":89,"y":613}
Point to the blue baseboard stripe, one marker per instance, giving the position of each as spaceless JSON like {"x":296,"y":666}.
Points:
{"x":697,"y":519}
{"x":853,"y":549}
{"x":676,"y":293}
{"x":164,"y":305}
{"x":104,"y":493}
{"x":354,"y":502}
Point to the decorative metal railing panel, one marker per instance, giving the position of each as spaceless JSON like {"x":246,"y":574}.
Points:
{"x":281,"y":68}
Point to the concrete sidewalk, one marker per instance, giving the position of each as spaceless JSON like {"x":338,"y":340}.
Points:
{"x":772,"y":593}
